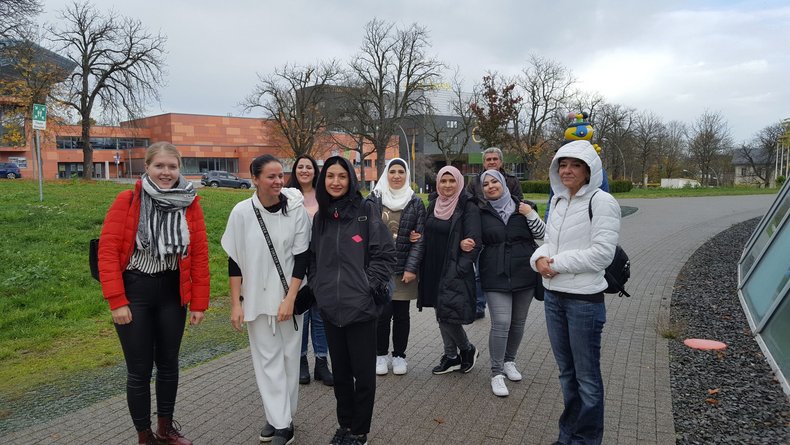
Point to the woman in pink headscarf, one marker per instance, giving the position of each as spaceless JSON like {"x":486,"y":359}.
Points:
{"x":447,"y":281}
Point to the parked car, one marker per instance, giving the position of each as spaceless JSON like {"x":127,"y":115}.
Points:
{"x":219,"y":178}
{"x":9,"y":170}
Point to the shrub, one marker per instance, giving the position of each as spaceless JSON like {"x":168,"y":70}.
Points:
{"x":536,"y":187}
{"x":620,"y":186}
{"x":780,"y":180}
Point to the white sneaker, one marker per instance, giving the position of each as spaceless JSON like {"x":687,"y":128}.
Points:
{"x":511,"y":372}
{"x":498,"y":386}
{"x":382,"y":364}
{"x":399,"y":365}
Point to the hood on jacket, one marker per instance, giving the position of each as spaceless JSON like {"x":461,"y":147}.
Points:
{"x":323,"y":197}
{"x":294,"y":196}
{"x":585,"y":152}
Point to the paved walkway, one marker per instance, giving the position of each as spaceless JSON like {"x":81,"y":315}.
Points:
{"x":219,"y":401}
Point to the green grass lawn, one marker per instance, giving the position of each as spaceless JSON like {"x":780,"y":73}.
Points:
{"x":54,"y":320}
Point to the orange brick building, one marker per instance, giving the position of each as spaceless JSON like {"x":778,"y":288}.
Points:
{"x":205,"y":143}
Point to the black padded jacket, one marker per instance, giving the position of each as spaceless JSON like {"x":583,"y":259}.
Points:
{"x":408,"y":254}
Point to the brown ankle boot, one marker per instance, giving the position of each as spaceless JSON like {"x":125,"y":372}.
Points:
{"x":168,"y":432}
{"x":147,"y":437}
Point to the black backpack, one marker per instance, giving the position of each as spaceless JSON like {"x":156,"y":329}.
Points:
{"x":617,"y":273}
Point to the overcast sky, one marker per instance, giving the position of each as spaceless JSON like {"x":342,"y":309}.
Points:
{"x":674,"y":58}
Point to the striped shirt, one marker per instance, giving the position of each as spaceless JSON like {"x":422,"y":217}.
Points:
{"x":146,"y":263}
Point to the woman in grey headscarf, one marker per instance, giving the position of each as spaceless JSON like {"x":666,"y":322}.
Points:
{"x":510,"y":228}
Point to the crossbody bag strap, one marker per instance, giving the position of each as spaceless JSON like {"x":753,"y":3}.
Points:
{"x":271,"y":247}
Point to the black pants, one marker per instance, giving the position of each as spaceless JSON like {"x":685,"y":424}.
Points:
{"x":353,"y":352}
{"x":398,"y":312}
{"x":153,"y":336}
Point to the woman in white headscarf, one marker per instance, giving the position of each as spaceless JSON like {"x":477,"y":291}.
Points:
{"x":509,"y":229}
{"x":404,"y":214}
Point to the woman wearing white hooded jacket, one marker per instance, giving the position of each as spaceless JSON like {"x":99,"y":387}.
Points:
{"x":258,"y":297}
{"x":577,"y":249}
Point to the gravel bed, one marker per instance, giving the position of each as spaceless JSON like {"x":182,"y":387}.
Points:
{"x":727,"y":397}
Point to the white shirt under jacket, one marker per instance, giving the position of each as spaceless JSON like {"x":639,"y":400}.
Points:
{"x":244,"y":242}
{"x":581,"y":249}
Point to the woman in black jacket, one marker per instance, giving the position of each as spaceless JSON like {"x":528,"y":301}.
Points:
{"x":352,"y":256}
{"x":447,"y":283}
{"x":510,"y":228}
{"x":404,"y":214}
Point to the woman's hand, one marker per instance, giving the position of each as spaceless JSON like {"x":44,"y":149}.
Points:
{"x":525,"y":209}
{"x":544,"y":267}
{"x":467,"y":244}
{"x":237,"y":317}
{"x":286,"y":309}
{"x":408,"y":277}
{"x":414,"y":236}
{"x":196,"y":317}
{"x":122,"y":315}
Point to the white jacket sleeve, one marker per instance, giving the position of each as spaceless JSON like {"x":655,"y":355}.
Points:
{"x":605,"y":230}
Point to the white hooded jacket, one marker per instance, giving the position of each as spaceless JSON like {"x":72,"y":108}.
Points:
{"x":243,"y":241}
{"x":581,"y":248}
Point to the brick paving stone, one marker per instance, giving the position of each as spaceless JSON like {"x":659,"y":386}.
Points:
{"x":219,"y":402}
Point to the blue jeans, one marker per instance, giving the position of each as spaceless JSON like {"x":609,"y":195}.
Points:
{"x":574,"y":328}
{"x":313,"y":317}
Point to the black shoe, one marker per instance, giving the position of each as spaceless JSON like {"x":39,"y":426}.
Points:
{"x":284,"y":436}
{"x":355,"y":439}
{"x":447,"y":364}
{"x":469,"y":358}
{"x":481,"y":313}
{"x":304,"y":371}
{"x":267,"y":433}
{"x":339,"y":436}
{"x":321,"y":371}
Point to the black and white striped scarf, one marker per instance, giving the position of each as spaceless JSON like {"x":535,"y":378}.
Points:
{"x":162,"y":228}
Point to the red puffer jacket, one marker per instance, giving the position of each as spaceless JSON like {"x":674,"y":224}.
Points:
{"x":116,"y":245}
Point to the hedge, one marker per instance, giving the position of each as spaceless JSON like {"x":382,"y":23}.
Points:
{"x":620,"y":186}
{"x":535,"y":187}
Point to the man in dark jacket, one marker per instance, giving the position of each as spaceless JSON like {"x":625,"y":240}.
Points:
{"x":492,"y":160}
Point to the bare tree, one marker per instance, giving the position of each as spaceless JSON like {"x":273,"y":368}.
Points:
{"x":709,"y":136}
{"x":452,"y":136}
{"x":762,"y":151}
{"x":648,"y":132}
{"x":673,"y":148}
{"x":613,"y":125}
{"x":119,"y":67}
{"x":387,"y":80}
{"x":16,"y":16}
{"x":546,"y":88}
{"x":294,"y":98}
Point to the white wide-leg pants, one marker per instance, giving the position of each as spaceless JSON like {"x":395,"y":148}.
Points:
{"x":275,"y":358}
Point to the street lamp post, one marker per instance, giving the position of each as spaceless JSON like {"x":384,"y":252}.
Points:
{"x":409,"y":160}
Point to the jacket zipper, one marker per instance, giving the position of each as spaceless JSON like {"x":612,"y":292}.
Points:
{"x":337,"y":279}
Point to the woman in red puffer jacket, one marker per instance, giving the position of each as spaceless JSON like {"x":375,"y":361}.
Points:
{"x":153,"y":262}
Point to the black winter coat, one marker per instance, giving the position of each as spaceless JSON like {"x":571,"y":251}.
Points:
{"x":504,"y":260}
{"x":341,"y":283}
{"x":408,"y":254}
{"x":455,"y":302}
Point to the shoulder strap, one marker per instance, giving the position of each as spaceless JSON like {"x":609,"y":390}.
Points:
{"x":271,"y":247}
{"x":589,"y":204}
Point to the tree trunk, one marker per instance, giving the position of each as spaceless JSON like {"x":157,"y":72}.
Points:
{"x":87,"y":150}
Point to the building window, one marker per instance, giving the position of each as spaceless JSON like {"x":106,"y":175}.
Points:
{"x":368,"y":163}
{"x":68,"y":170}
{"x":452,"y":124}
{"x":194,"y":166}
{"x":75,"y":143}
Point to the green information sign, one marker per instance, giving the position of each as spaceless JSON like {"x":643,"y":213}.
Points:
{"x":39,"y":117}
